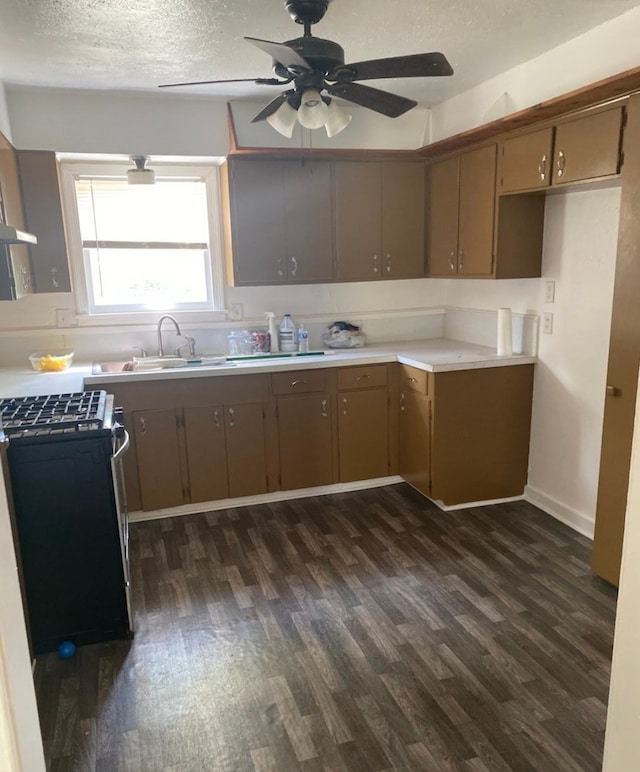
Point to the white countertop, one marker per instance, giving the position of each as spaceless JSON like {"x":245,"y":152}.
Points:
{"x":434,"y":355}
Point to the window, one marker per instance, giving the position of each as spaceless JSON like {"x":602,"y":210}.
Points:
{"x":137,"y":248}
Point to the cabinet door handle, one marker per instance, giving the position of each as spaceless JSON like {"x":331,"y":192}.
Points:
{"x":412,"y":379}
{"x":542,"y":167}
{"x":216,"y":418}
{"x":345,"y":406}
{"x":460,"y":259}
{"x":375,"y":263}
{"x":402,"y":400}
{"x":613,"y":391}
{"x":363,"y":377}
{"x":280,"y":267}
{"x":452,"y":265}
{"x":297,"y":381}
{"x":232,"y":417}
{"x":54,"y":278}
{"x":25,"y":278}
{"x":388,"y":263}
{"x":143,"y":426}
{"x":294,"y":266}
{"x":561,"y":162}
{"x":324,"y":408}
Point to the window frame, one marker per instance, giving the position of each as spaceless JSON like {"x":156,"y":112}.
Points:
{"x":206,"y":169}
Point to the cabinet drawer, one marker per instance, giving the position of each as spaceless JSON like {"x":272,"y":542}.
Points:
{"x":414,"y":379}
{"x":362,"y":377}
{"x":298,"y":382}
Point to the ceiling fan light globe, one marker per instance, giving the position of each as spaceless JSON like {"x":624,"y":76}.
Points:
{"x":337,"y":120}
{"x":283,"y":120}
{"x":313,"y":112}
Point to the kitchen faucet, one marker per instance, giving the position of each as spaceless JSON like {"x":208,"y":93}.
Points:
{"x":175,"y":324}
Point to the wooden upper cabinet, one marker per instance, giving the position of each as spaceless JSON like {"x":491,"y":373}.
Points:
{"x":525,"y":161}
{"x":16,"y":279}
{"x":461,"y":214}
{"x":358,"y":224}
{"x":403,"y":215}
{"x":257,"y":222}
{"x":379,"y":219}
{"x":589,"y":147}
{"x":281,"y":222}
{"x":43,"y":217}
{"x":308,"y":221}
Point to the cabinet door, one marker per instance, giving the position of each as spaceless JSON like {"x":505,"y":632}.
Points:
{"x":206,"y":453}
{"x":257,"y":214}
{"x":588,"y":147}
{"x":363,"y":434}
{"x":358,"y":201}
{"x":403,"y":213}
{"x":16,"y":273}
{"x":443,"y":218}
{"x":525,"y":161}
{"x":476,"y":212}
{"x":304,"y":430}
{"x":43,"y":216}
{"x":159,"y":467}
{"x":414,"y":444}
{"x":246,"y":463}
{"x":308,"y":221}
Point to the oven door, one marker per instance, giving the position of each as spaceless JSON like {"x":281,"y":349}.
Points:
{"x":121,"y":445}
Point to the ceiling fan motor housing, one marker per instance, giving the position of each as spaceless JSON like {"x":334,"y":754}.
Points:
{"x":306,"y":11}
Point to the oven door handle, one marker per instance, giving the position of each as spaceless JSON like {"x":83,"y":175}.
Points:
{"x":123,"y":447}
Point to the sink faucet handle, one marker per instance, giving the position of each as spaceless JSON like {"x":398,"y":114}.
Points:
{"x":142,"y":351}
{"x":191,"y":343}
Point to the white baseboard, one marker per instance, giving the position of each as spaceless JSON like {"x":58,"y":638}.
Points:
{"x":263,"y":498}
{"x":468,"y":505}
{"x":576,"y":520}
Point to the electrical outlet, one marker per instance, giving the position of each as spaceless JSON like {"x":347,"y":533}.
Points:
{"x":549,"y":291}
{"x":65,"y":317}
{"x":547,"y":323}
{"x":236,"y":312}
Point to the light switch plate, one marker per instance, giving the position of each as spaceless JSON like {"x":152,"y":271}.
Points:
{"x":65,"y":317}
{"x":236,"y":312}
{"x":549,"y":291}
{"x":547,"y":323}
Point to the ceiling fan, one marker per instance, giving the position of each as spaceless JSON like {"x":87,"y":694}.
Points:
{"x":316,"y":70}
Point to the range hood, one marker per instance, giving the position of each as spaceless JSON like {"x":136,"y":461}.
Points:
{"x":9,"y":235}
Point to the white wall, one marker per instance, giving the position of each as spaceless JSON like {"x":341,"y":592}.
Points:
{"x":5,"y":126}
{"x":599,"y":53}
{"x":621,"y":748}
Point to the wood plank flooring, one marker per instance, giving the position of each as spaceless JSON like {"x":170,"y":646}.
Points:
{"x":361,"y":631}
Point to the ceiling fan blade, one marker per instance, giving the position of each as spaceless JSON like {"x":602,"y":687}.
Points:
{"x":286,"y":56}
{"x":413,"y":66}
{"x":261,"y":81}
{"x":270,"y":109}
{"x":391,"y":105}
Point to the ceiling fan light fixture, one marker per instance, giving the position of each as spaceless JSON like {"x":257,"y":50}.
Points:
{"x":283,"y":120}
{"x":140,"y":175}
{"x":337,"y":119}
{"x":313,"y":112}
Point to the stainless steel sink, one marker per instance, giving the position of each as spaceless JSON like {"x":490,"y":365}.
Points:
{"x":144,"y":364}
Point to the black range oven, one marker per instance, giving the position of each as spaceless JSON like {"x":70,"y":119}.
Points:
{"x":70,"y":518}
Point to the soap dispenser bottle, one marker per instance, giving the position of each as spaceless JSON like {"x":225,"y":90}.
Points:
{"x":273,"y":332}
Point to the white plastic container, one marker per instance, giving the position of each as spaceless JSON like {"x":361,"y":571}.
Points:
{"x":287,"y":339}
{"x":273,"y":331}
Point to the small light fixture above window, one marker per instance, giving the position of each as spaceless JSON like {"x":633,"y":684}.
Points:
{"x":140,"y":175}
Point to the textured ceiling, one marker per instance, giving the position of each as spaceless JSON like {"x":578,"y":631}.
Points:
{"x":138,"y":44}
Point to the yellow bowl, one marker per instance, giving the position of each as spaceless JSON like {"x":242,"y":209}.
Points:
{"x":50,"y":363}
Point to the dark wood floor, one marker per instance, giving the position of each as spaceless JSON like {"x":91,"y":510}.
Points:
{"x":361,"y":631}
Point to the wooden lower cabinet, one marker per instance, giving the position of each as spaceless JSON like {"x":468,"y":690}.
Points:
{"x":206,"y":453}
{"x":245,"y":444}
{"x":305,"y":441}
{"x":414,"y":446}
{"x":158,"y":459}
{"x":363,"y":434}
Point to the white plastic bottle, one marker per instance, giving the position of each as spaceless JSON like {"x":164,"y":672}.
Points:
{"x":273,"y":332}
{"x":303,"y":340}
{"x":288,"y":340}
